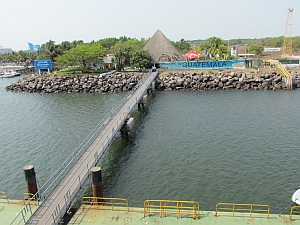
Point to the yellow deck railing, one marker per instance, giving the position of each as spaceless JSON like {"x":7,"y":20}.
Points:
{"x":172,"y":207}
{"x":114,"y":203}
{"x":28,"y":199}
{"x":3,"y":195}
{"x":295,"y":210}
{"x":247,"y":208}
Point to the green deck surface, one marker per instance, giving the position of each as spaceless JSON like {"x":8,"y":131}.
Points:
{"x":10,"y":209}
{"x":104,"y":215}
{"x":85,"y":216}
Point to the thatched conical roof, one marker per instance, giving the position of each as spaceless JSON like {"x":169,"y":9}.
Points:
{"x":161,"y":49}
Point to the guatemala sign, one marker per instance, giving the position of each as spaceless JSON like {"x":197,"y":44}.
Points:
{"x":42,"y":64}
{"x":222,"y":64}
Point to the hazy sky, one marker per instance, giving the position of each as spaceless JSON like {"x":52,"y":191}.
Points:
{"x":38,"y":21}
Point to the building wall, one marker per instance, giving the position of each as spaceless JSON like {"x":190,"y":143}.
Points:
{"x":189,"y":65}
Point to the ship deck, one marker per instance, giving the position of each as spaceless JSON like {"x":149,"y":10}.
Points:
{"x":10,"y":209}
{"x":104,"y":215}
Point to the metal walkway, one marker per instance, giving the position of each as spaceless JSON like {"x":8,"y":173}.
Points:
{"x":288,"y":77}
{"x":72,"y":175}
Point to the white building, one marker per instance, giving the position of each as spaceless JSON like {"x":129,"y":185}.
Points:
{"x":4,"y":50}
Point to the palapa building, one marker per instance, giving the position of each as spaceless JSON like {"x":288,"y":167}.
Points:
{"x":161,"y":49}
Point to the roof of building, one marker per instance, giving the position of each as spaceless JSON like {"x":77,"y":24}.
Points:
{"x":159,"y":45}
{"x":2,"y":47}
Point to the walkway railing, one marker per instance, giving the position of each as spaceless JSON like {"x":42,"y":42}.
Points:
{"x":113,"y":203}
{"x":245,"y":208}
{"x":172,"y":207}
{"x":110,"y":125}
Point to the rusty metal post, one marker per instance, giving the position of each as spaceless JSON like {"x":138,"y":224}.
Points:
{"x":31,"y":184}
{"x":97,"y":188}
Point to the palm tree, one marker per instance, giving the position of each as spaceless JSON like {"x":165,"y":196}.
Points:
{"x":49,"y":50}
{"x":215,"y":47}
{"x":31,"y":56}
{"x":76,"y":43}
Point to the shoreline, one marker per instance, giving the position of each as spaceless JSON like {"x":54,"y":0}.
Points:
{"x":167,"y":80}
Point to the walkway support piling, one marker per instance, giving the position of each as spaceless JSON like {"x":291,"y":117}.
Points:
{"x":97,"y":187}
{"x":142,"y":102}
{"x":31,"y":184}
{"x":127,"y":127}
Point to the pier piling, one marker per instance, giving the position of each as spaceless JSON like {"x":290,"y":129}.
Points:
{"x":97,"y":187}
{"x":31,"y":184}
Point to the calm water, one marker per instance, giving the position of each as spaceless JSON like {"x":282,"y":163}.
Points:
{"x":210,"y":147}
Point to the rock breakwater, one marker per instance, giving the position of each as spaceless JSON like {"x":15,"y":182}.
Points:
{"x":118,"y":82}
{"x":80,"y":83}
{"x":224,"y":80}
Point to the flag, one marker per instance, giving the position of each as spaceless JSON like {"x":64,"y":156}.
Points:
{"x":233,"y":50}
{"x":207,"y":54}
{"x":33,"y":47}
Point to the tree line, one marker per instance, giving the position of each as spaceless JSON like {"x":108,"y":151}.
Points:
{"x":256,"y":45}
{"x":128,"y":52}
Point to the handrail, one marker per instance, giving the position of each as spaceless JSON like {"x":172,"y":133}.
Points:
{"x":3,"y":195}
{"x":113,"y":202}
{"x":294,"y":210}
{"x":66,"y":201}
{"x":279,"y":66}
{"x":284,"y":72}
{"x":250,"y":208}
{"x":29,"y":199}
{"x":171,"y":207}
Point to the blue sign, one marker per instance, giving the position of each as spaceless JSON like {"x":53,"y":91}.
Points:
{"x":190,"y":65}
{"x":42,"y":64}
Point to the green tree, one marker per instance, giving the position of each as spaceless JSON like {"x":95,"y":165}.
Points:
{"x":31,"y":56}
{"x":76,"y":43}
{"x":182,"y":46}
{"x":64,"y":46}
{"x":84,"y":56}
{"x":140,"y":59}
{"x":123,"y":51}
{"x":124,"y":38}
{"x":256,"y":49}
{"x":108,"y":43}
{"x":216,"y":48}
{"x":119,"y":59}
{"x":6,"y":57}
{"x":296,"y":43}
